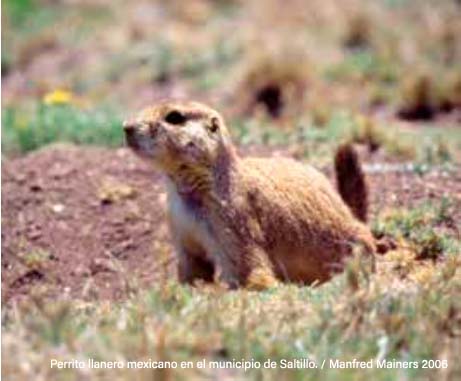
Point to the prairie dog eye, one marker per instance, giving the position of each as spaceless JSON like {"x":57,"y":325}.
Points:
{"x":175,"y":117}
{"x":214,"y":126}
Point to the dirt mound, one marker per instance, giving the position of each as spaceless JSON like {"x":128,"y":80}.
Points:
{"x":84,"y":221}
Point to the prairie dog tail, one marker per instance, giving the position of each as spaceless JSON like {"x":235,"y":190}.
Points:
{"x":352,"y":184}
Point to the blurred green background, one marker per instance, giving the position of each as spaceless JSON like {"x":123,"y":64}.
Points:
{"x":305,"y":73}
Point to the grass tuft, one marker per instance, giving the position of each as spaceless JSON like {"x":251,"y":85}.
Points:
{"x":24,"y":131}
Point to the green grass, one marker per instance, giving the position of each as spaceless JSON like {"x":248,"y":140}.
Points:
{"x":19,"y":10}
{"x":421,"y":230}
{"x":176,"y":323}
{"x":318,"y":143}
{"x":23,"y":131}
{"x":363,"y":65}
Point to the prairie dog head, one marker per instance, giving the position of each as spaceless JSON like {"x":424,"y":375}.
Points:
{"x":178,"y":133}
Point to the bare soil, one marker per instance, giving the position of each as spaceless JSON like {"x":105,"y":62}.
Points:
{"x":95,"y":213}
{"x":90,"y":222}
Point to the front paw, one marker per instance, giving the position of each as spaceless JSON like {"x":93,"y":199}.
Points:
{"x":260,"y":279}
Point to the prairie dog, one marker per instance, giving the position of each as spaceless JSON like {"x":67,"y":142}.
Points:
{"x":257,"y":220}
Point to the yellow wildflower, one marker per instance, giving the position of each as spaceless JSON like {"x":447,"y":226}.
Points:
{"x":58,"y":97}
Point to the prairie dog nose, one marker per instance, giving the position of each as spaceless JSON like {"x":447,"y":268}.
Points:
{"x":129,"y":126}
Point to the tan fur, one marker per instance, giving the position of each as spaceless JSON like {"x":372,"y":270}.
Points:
{"x":255,"y":220}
